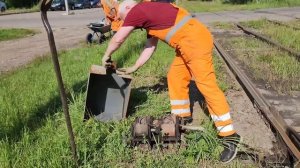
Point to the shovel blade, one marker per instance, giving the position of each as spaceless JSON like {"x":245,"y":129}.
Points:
{"x":107,"y":95}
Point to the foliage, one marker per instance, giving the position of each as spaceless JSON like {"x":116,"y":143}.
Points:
{"x":21,"y":3}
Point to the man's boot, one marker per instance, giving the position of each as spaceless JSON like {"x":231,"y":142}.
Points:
{"x":187,"y":120}
{"x":230,"y":147}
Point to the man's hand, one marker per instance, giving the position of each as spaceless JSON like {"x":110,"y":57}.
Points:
{"x":106,"y":61}
{"x":126,"y":71}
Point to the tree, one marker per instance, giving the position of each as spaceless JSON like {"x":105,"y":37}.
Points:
{"x":21,"y":3}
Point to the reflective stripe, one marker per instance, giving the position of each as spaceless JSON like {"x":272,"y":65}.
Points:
{"x":180,"y":111}
{"x":177,"y":27}
{"x":180,"y":102}
{"x":226,"y":128}
{"x":223,"y":123}
{"x":223,"y":117}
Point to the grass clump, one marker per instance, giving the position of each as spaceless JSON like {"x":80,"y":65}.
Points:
{"x":286,"y":36}
{"x":33,"y":130}
{"x":15,"y":33}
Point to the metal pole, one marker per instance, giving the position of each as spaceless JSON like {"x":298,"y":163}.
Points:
{"x":67,"y":7}
{"x":45,"y":5}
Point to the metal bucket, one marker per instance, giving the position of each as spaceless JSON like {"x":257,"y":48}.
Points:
{"x":107,"y":94}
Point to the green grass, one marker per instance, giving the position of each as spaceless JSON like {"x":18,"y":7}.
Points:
{"x":218,"y":5}
{"x":14,"y":33}
{"x":277,"y":68}
{"x":33,"y":131}
{"x":286,"y":36}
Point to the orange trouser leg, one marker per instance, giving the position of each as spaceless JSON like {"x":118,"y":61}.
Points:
{"x":201,"y":68}
{"x":196,"y":50}
{"x":178,"y":80}
{"x":194,"y":45}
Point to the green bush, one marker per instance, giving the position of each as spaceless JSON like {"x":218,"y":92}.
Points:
{"x":21,"y":3}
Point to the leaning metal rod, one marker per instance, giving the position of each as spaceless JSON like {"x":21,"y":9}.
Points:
{"x":44,"y":8}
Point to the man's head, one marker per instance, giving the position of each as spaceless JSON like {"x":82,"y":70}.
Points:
{"x":125,"y":7}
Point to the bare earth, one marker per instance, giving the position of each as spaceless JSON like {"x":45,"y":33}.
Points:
{"x":71,"y":29}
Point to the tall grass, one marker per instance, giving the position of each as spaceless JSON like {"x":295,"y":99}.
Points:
{"x":33,"y":131}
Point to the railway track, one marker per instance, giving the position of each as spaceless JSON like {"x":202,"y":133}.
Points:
{"x":283,"y":24}
{"x":278,"y":119}
{"x":270,"y":41}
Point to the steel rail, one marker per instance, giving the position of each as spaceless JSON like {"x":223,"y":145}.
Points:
{"x":45,"y":5}
{"x":270,"y":113}
{"x":283,"y":24}
{"x":268,"y":40}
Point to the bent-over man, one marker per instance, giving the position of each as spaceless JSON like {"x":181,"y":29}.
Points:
{"x":193,"y":44}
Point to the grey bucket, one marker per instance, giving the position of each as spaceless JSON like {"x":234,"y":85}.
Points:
{"x":107,"y":95}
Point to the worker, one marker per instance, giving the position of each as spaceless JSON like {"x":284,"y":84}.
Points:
{"x":193,"y":44}
{"x":110,"y":8}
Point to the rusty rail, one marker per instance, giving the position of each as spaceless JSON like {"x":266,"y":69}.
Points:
{"x":270,"y":113}
{"x":268,"y":40}
{"x":283,"y":24}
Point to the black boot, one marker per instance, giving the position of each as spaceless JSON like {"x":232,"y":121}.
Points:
{"x":230,"y":147}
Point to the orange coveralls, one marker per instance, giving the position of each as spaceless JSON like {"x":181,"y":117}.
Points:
{"x":193,"y":43}
{"x":110,"y":8}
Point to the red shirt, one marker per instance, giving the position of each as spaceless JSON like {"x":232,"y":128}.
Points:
{"x":151,"y":15}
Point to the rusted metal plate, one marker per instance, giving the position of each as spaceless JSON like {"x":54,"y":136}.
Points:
{"x":107,"y":94}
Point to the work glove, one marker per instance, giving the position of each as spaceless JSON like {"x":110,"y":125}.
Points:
{"x":126,"y":71}
{"x":106,"y":61}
